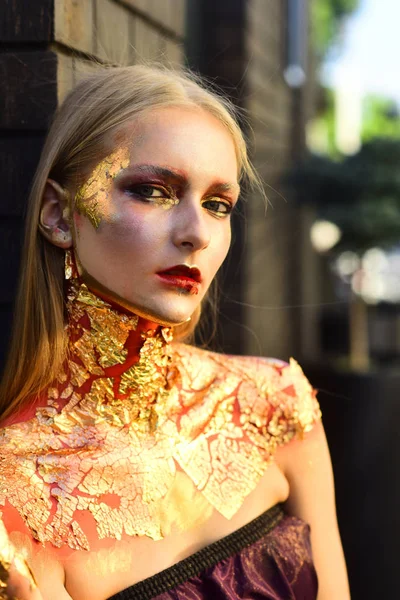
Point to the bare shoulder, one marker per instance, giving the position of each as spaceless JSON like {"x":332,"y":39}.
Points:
{"x":228,"y":360}
{"x":257,"y":368}
{"x":276,"y":396}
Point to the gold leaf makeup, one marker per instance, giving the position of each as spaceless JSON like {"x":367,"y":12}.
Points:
{"x":92,"y":198}
{"x":9,"y":556}
{"x":166,"y":203}
{"x":147,"y":446}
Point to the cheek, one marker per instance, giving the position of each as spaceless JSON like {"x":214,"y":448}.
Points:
{"x":131,"y":231}
{"x":84,"y":234}
{"x":127,"y":235}
{"x":225,"y":242}
{"x":221,"y":248}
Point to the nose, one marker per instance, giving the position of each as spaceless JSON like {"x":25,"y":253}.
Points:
{"x":191,"y":229}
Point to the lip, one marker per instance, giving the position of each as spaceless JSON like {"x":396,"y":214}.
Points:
{"x":183,"y":271}
{"x":184,"y":277}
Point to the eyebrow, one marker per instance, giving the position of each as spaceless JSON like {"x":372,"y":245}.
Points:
{"x":179,"y":177}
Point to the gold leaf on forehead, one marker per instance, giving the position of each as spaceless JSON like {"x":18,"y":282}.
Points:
{"x":92,"y":198}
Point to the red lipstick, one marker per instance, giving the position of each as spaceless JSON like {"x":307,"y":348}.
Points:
{"x":184,"y":277}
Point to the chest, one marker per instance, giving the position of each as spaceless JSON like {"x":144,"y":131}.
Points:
{"x":111,"y":566}
{"x":93,"y":470}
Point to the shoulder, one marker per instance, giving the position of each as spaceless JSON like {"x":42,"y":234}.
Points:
{"x":274,"y":395}
{"x":230,"y":362}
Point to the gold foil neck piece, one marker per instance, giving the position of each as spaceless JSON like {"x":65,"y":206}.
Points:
{"x":93,"y":197}
{"x":144,"y":437}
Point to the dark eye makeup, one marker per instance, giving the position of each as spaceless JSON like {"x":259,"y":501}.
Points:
{"x":219,"y":207}
{"x":148,"y":191}
{"x":152,"y":192}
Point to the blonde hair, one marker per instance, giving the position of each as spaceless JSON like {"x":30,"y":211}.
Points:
{"x":100,"y":103}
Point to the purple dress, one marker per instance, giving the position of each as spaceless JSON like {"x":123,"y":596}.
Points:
{"x":269,"y":558}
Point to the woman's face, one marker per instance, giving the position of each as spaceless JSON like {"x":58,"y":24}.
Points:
{"x":159,"y":204}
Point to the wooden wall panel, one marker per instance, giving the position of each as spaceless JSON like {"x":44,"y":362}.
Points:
{"x":219,"y":53}
{"x":29,"y":97}
{"x":26,"y":21}
{"x":10,"y":244}
{"x":18,"y":161}
{"x":43,"y":47}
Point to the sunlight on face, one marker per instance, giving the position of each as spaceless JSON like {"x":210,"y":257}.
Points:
{"x":157,"y":205}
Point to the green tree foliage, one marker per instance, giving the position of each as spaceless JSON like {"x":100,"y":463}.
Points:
{"x":361,"y":194}
{"x":327,"y":17}
{"x":381,"y":118}
{"x":321,"y":129}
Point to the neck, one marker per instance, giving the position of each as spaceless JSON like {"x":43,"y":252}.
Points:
{"x":117,"y":361}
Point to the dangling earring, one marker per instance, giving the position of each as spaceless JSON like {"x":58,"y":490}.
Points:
{"x":70,"y":269}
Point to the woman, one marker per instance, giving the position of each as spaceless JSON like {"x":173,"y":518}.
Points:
{"x":134,"y":465}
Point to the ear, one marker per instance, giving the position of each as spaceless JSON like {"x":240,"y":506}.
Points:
{"x":55,"y":215}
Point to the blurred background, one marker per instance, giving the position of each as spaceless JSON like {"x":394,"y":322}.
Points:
{"x":315,"y":274}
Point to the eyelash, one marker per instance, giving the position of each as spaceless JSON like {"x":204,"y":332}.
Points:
{"x":135,"y":191}
{"x":220,"y":213}
{"x":169,"y":193}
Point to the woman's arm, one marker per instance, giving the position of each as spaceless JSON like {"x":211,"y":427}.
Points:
{"x":16,"y":578}
{"x":307,"y":466}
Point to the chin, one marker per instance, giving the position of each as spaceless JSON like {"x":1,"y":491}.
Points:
{"x":170,"y":318}
{"x":168,"y":312}
{"x":169,"y":315}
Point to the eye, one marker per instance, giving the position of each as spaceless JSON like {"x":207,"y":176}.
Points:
{"x":147,"y":191}
{"x":220,"y":208}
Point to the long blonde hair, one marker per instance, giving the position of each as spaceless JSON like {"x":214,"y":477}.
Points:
{"x":103,"y":101}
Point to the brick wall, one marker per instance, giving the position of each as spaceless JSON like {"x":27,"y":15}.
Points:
{"x":44,"y":47}
{"x":116,"y":31}
{"x":242,"y":46}
{"x":279,"y":248}
{"x":271,"y":239}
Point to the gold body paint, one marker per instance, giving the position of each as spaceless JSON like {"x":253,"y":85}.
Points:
{"x":93,"y":197}
{"x":142,"y":437}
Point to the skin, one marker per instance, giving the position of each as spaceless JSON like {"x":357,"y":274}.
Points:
{"x":148,"y":221}
{"x":140,"y":232}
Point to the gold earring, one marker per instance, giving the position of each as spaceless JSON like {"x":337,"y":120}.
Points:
{"x":70,"y":268}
